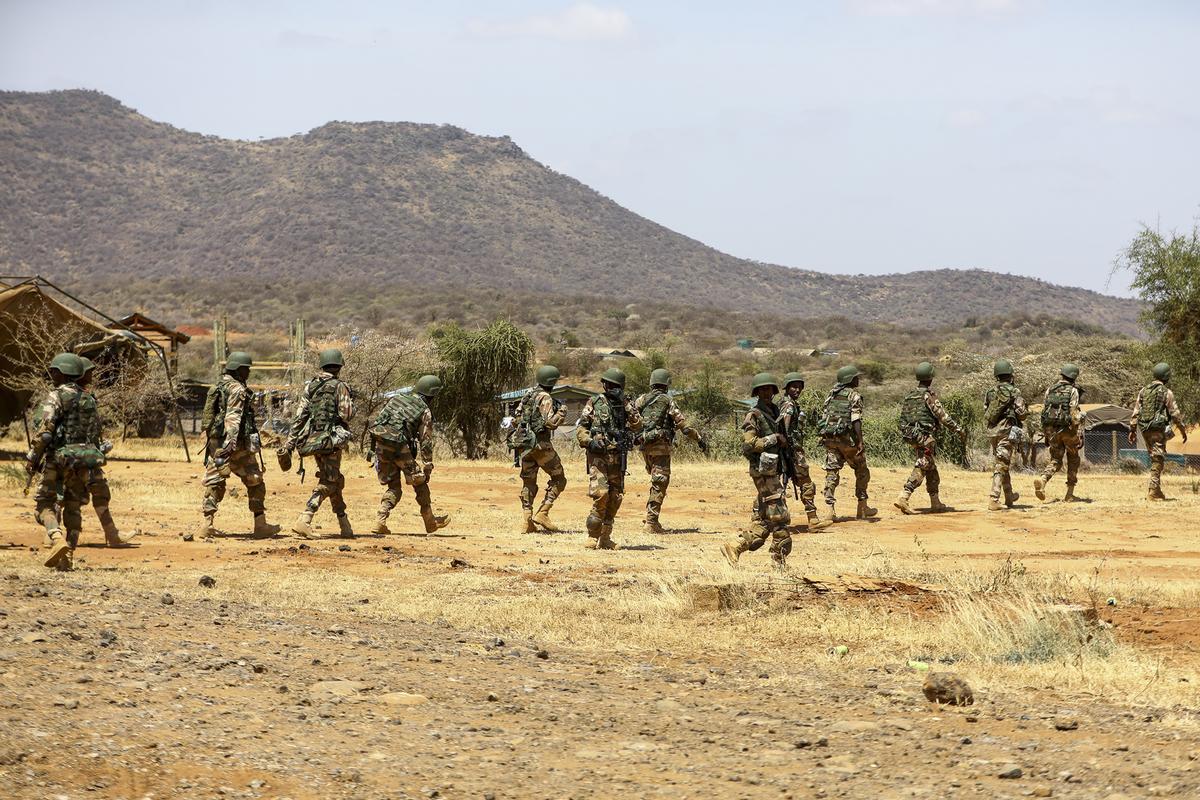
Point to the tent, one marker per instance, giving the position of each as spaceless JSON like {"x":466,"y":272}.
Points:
{"x":1105,"y":427}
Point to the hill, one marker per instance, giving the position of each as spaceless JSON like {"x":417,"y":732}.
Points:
{"x":97,"y":192}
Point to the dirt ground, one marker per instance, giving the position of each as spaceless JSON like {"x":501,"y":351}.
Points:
{"x":483,"y":662}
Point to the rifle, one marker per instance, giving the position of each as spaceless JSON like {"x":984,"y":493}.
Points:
{"x":36,"y":462}
{"x":787,"y":457}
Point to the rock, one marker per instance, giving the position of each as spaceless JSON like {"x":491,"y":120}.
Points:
{"x":1043,"y":791}
{"x":336,"y":630}
{"x":108,"y":637}
{"x":853,"y":726}
{"x":345,"y":548}
{"x":947,"y":688}
{"x":403,"y":699}
{"x":167,"y":599}
{"x":207,"y":581}
{"x":337,"y":688}
{"x":1010,"y":772}
{"x":65,"y":703}
{"x":542,"y":654}
{"x":1066,"y":724}
{"x":492,"y":697}
{"x":31,"y":637}
{"x":458,"y":563}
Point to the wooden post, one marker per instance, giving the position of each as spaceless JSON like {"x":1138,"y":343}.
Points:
{"x":1114,"y":448}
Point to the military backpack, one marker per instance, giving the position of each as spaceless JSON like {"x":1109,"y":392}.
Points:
{"x":325,"y":429}
{"x":1153,"y":416}
{"x":1000,"y":402}
{"x":1056,"y":412}
{"x":834,"y":419}
{"x":657,"y":424}
{"x":610,"y":421}
{"x":916,"y":420}
{"x":215,"y":404}
{"x":397,"y":425}
{"x":77,"y":433}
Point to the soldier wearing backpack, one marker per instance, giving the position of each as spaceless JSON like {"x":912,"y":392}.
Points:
{"x":921,"y":415}
{"x":233,"y":448}
{"x":321,"y":429}
{"x":401,"y":432}
{"x":97,"y":484}
{"x":63,"y":448}
{"x":1064,"y":436}
{"x":537,"y":416}
{"x":605,"y":430}
{"x":1004,"y":413}
{"x":791,"y":417}
{"x":840,"y":427}
{"x":661,"y":420}
{"x":1154,"y":413}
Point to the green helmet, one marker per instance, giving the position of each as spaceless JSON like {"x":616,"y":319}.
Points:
{"x":924,"y":371}
{"x":1069,"y":371}
{"x":428,"y":385}
{"x":793,"y":377}
{"x":847,"y":374}
{"x":68,"y":364}
{"x":614,"y":375}
{"x":238,"y":359}
{"x":764,"y":379}
{"x":1002,"y":369}
{"x":1162,"y":371}
{"x":547,"y":375}
{"x":88,"y":365}
{"x":331,"y":358}
{"x":660,"y":377}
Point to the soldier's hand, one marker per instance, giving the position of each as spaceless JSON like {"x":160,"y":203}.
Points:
{"x":29,"y":467}
{"x":428,"y":469}
{"x":598,"y":445}
{"x":1183,"y":433}
{"x":1133,"y":437}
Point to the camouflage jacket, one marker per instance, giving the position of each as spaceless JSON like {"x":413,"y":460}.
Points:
{"x":345,"y":406}
{"x":49,"y":415}
{"x":792,"y":418}
{"x":1072,"y":405}
{"x":538,"y":401}
{"x":671,"y":420}
{"x":1008,"y":397}
{"x":1174,"y":417}
{"x":588,"y":427}
{"x":237,"y":405}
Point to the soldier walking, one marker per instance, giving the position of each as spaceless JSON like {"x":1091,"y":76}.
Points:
{"x":1064,"y":435}
{"x":1004,"y":413}
{"x":661,"y":420}
{"x":921,"y":416}
{"x":401,"y":432}
{"x":233,"y":448}
{"x":763,"y":440}
{"x":1154,"y":413}
{"x":791,"y":418}
{"x":840,"y":427}
{"x":321,"y":429}
{"x":538,"y":415}
{"x":97,"y":484}
{"x":605,"y":430}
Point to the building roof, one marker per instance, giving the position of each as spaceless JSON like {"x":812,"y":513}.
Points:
{"x":561,"y":390}
{"x":137,"y":321}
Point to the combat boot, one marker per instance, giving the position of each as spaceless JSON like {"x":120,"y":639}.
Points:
{"x":936,"y":506}
{"x":303,"y":526}
{"x":1011,"y":500}
{"x":1039,"y":488}
{"x":264,"y":529}
{"x":112,"y":536}
{"x":542,"y":520}
{"x":433,"y":521}
{"x":865,"y":511}
{"x":208,"y":528}
{"x":605,"y":542}
{"x":66,"y":561}
{"x":654,"y":526}
{"x":733,"y":551}
{"x":1070,"y":497}
{"x":815,"y":523}
{"x":345,"y":529}
{"x":529,"y":526}
{"x":1156,"y":494}
{"x":381,"y":528}
{"x":995,"y":505}
{"x":58,"y":550}
{"x":902,"y":503}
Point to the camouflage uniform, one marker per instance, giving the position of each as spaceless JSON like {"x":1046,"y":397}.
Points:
{"x":792,"y":419}
{"x":1004,"y":409}
{"x":609,"y":421}
{"x":396,"y":462}
{"x":1063,"y":437}
{"x":66,"y":417}
{"x":841,"y":448}
{"x":763,"y":435}
{"x":923,"y":405}
{"x":661,"y":418}
{"x":231,"y":440}
{"x":1157,"y":404}
{"x":540,"y":416}
{"x":315,"y":437}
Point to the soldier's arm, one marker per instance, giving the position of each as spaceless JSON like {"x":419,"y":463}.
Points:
{"x":750,"y":438}
{"x":1133,"y":418}
{"x":681,"y":423}
{"x":45,"y":421}
{"x":1076,"y":413}
{"x":1019,"y":407}
{"x":425,"y":437}
{"x":938,"y":410}
{"x":551,"y":418}
{"x":345,"y":402}
{"x":1173,"y":414}
{"x":633,"y":417}
{"x":856,"y":416}
{"x":238,"y":401}
{"x":583,"y":430}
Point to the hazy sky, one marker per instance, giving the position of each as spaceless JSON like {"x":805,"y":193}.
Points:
{"x":1027,"y":136}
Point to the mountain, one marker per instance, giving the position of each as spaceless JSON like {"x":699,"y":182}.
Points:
{"x":95,"y":191}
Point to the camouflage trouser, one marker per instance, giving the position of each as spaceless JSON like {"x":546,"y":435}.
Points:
{"x":1002,"y":452}
{"x":395,"y":468}
{"x":330,"y":482}
{"x":1156,"y":445}
{"x":771,"y":517}
{"x":97,"y":487}
{"x":658,"y":466}
{"x":241,"y":463}
{"x":71,"y":482}
{"x":1063,"y":441}
{"x":924,"y":468}
{"x":804,"y":484}
{"x":838,"y":453}
{"x":545,"y":458}
{"x":606,"y":487}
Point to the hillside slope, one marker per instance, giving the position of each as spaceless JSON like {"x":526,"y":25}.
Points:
{"x":94,"y":189}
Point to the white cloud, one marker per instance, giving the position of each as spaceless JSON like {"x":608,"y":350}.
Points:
{"x":579,"y":22}
{"x":294,"y":38}
{"x":917,"y":8}
{"x":966,"y":118}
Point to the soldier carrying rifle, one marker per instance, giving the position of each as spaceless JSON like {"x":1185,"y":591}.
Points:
{"x":537,"y":415}
{"x":606,"y":428}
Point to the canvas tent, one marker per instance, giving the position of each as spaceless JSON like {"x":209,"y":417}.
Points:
{"x":1105,"y":427}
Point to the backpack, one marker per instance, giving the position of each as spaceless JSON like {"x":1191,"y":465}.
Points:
{"x":1153,"y":413}
{"x":396,"y":425}
{"x":834,"y":419}
{"x":1056,"y":412}
{"x":764,"y":425}
{"x":216,"y":402}
{"x":321,"y":434}
{"x":76,"y":432}
{"x":657,"y":423}
{"x":916,"y":420}
{"x":999,"y":402}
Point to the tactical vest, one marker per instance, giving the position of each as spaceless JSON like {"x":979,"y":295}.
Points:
{"x":764,"y":425}
{"x":789,"y":408}
{"x":398,"y":424}
{"x":657,"y":423}
{"x":1000,"y":401}
{"x":323,"y":414}
{"x":1056,"y":412}
{"x":531,"y":411}
{"x":215,"y":406}
{"x":916,"y":420}
{"x":1153,"y":416}
{"x":835,"y":414}
{"x":608,"y":419}
{"x":78,"y":430}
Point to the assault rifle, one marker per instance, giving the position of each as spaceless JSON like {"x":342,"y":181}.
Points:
{"x":788,"y":458}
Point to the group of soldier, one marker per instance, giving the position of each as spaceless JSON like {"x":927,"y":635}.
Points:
{"x":68,"y":450}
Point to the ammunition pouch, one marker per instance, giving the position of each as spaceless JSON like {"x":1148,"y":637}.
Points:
{"x":284,"y":456}
{"x":79,"y":455}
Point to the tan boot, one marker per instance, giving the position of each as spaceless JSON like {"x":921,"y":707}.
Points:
{"x":995,"y":505}
{"x":208,"y":528}
{"x":381,"y":528}
{"x":865,"y":511}
{"x":529,"y":526}
{"x":345,"y":529}
{"x":66,"y":561}
{"x":902,"y":503}
{"x":936,"y":506}
{"x":433,"y":521}
{"x":264,"y":529}
{"x":1011,"y":500}
{"x":542,"y":520}
{"x":1039,"y":488}
{"x":733,"y":551}
{"x":1156,"y":494}
{"x":605,"y":542}
{"x":303,"y":525}
{"x":59,"y":549}
{"x":654,"y":526}
{"x":1070,"y":497}
{"x":112,"y":536}
{"x":815,"y":523}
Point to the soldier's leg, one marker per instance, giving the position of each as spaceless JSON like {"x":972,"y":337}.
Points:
{"x":915,"y":478}
{"x":46,"y":499}
{"x":833,"y":474}
{"x":616,"y":494}
{"x":862,"y":480}
{"x":759,"y":530}
{"x":1057,"y":450}
{"x":1072,"y":468}
{"x":387,"y":470}
{"x":101,"y":498}
{"x":775,"y":512}
{"x":245,"y":465}
{"x":659,"y":467}
{"x":933,"y":478}
{"x":804,"y":482}
{"x":598,"y":490}
{"x":215,"y":479}
{"x":1156,"y":445}
{"x":417,"y":479}
{"x":548,"y":460}
{"x":999,"y":468}
{"x":529,"y":480}
{"x":74,"y":485}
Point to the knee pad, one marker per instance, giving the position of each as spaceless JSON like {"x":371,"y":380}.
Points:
{"x":594,"y":523}
{"x":783,"y":545}
{"x":253,"y":479}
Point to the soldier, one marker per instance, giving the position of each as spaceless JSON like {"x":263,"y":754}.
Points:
{"x":605,"y":430}
{"x":402,"y":431}
{"x":661,"y":419}
{"x":537,"y":416}
{"x":921,"y":415}
{"x":840,"y":426}
{"x":1004,"y":413}
{"x":1154,"y":413}
{"x":233,"y":448}
{"x":763,"y":439}
{"x":63,"y":448}
{"x":1060,"y":425}
{"x":97,"y":484}
{"x":322,"y":429}
{"x":792,"y":419}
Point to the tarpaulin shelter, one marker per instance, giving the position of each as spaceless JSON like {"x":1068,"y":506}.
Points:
{"x":1105,"y":427}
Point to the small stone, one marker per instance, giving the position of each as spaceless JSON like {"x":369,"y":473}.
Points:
{"x":1010,"y":772}
{"x":403,"y":699}
{"x":947,"y":688}
{"x":107,"y":637}
{"x":336,"y":630}
{"x":257,"y":784}
{"x":1043,"y":791}
{"x":1068,"y":724}
{"x":543,"y":654}
{"x":492,"y":698}
{"x":345,"y":548}
{"x":207,"y":581}
{"x":458,"y":563}
{"x":68,"y":704}
{"x":167,"y":599}
{"x":31,"y":637}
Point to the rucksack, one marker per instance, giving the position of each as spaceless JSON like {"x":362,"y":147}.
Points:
{"x":657,"y":424}
{"x":916,"y":420}
{"x":396,"y":425}
{"x":1056,"y":412}
{"x":1152,"y":416}
{"x":324,"y":429}
{"x":834,"y":419}
{"x":999,"y":402}
{"x":77,"y":430}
